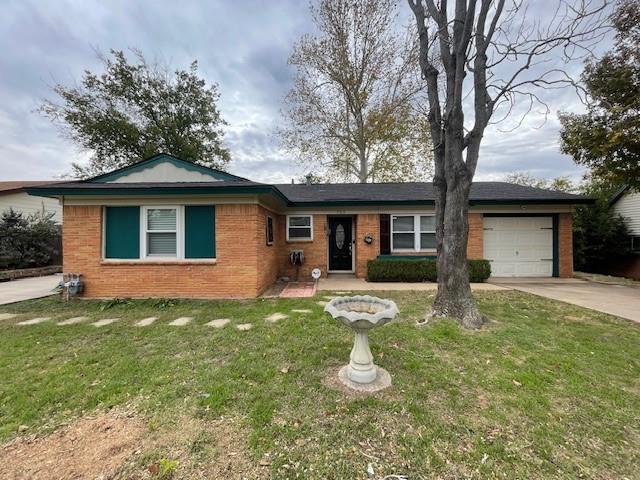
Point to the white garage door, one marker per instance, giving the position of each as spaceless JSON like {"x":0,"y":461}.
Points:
{"x":519,"y":246}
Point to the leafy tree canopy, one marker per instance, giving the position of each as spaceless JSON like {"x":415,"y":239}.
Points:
{"x":562,"y":184}
{"x":607,"y":138}
{"x":26,"y":242}
{"x":351,"y":114}
{"x":134,"y":110}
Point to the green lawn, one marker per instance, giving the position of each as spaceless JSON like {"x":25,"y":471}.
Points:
{"x":546,"y":390}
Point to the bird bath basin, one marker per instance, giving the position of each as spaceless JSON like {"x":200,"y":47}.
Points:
{"x":361,"y":313}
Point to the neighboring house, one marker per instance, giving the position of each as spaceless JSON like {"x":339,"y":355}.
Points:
{"x":166,"y":227}
{"x":626,"y":203}
{"x":14,"y":195}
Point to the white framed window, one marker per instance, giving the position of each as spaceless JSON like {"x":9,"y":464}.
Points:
{"x":413,"y":233}
{"x":162,"y":232}
{"x":427,"y":232}
{"x":299,"y":227}
{"x":403,"y":233}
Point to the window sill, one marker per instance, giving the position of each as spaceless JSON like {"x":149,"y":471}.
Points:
{"x":301,"y":240}
{"x":182,"y":261}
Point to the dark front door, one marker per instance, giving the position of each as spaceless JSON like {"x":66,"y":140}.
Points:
{"x":340,"y":243}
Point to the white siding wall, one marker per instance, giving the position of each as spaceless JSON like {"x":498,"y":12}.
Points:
{"x":27,"y":204}
{"x":629,"y":207}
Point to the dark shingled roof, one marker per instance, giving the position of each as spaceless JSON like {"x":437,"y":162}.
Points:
{"x":414,"y":193}
{"x":20,"y":185}
{"x":481,"y":192}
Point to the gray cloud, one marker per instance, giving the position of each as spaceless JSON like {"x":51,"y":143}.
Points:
{"x":243,"y":46}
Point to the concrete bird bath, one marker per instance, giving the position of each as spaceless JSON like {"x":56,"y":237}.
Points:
{"x":362,"y":313}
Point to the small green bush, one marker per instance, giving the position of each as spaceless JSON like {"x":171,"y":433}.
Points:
{"x":422,"y":270}
{"x":479,"y":270}
{"x":27,"y":242}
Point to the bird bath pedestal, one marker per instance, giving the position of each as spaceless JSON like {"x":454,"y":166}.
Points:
{"x":362,"y":313}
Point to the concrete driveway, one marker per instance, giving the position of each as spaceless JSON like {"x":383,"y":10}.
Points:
{"x":612,"y":299}
{"x":28,"y":288}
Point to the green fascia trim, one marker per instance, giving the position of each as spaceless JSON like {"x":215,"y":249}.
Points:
{"x":565,"y":201}
{"x":347,"y":203}
{"x":406,"y":257}
{"x":163,"y":157}
{"x":518,"y":214}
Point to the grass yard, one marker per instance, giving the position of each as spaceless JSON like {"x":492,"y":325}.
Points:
{"x":546,"y":390}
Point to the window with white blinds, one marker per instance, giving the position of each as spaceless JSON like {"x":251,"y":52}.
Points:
{"x":413,"y":233}
{"x":161,"y":232}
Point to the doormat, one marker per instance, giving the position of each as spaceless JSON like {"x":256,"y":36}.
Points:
{"x":299,"y":290}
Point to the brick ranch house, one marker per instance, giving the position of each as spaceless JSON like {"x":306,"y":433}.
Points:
{"x":166,"y":227}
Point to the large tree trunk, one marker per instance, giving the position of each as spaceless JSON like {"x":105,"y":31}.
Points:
{"x":452,"y":186}
{"x":454,"y":298}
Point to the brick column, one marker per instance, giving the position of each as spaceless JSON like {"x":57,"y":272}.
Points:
{"x":366,"y":223}
{"x":565,"y":244}
{"x":475,"y":245}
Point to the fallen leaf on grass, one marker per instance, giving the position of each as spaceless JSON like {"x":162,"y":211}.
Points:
{"x":517,"y":383}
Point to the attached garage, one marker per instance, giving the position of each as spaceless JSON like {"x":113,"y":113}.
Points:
{"x":520,"y":246}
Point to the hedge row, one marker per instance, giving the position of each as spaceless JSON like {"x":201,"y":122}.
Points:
{"x":404,"y":270}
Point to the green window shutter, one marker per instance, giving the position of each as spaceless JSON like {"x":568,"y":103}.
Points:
{"x":122,"y":232}
{"x":199,"y":231}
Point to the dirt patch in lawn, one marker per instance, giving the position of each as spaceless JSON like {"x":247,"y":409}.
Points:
{"x":119,"y":444}
{"x":198,"y":449}
{"x":91,"y":447}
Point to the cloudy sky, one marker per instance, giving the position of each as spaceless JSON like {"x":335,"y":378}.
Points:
{"x":242,"y":45}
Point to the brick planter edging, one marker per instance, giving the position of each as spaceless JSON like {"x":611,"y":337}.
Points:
{"x":29,"y":272}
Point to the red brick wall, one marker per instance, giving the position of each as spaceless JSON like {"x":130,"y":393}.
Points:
{"x":245,"y":265}
{"x":366,"y":223}
{"x":475,"y":244}
{"x":268,"y":255}
{"x":565,"y":245}
{"x":233,"y":275}
{"x":315,"y":252}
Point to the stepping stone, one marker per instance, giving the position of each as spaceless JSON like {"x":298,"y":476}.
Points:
{"x":7,"y":316}
{"x":343,"y":293}
{"x":244,"y":326}
{"x":34,"y":321}
{"x":106,"y":321}
{"x":71,"y":321}
{"x":218,"y":323}
{"x":145,"y":322}
{"x":274,"y":317}
{"x":321,"y":303}
{"x":181,"y":322}
{"x":301,"y":310}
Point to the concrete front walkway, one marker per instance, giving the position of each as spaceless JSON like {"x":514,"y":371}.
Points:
{"x":348,"y":283}
{"x":612,"y":299}
{"x":28,"y":288}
